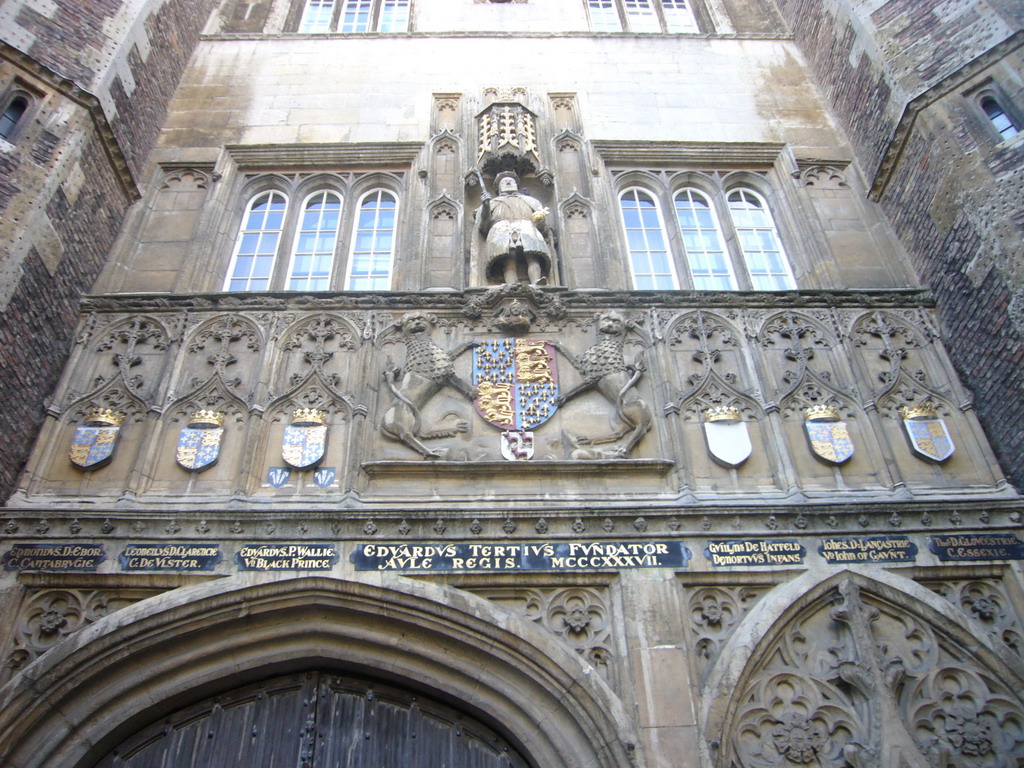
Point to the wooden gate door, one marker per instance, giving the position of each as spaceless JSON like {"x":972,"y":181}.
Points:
{"x":316,"y":720}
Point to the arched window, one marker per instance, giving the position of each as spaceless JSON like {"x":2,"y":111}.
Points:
{"x":998,"y":117}
{"x":16,"y":109}
{"x":315,"y":242}
{"x":373,"y":243}
{"x":317,"y":16}
{"x":762,"y":249}
{"x":258,"y":240}
{"x":645,"y":238}
{"x":703,"y":242}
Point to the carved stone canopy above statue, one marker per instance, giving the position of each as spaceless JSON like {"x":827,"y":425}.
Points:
{"x":507,"y":132}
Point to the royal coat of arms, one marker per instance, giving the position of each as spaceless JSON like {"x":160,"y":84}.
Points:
{"x":305,"y":439}
{"x":828,"y":436}
{"x":199,"y":442}
{"x":93,"y":443}
{"x":928,"y":435}
{"x":517,"y":387}
{"x":727,"y":435}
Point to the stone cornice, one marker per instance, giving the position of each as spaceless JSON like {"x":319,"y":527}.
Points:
{"x":638,"y":154}
{"x":459,"y":300}
{"x":88,"y":101}
{"x":324,"y":156}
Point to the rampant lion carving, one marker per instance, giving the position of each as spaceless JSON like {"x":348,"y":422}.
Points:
{"x":427,"y":369}
{"x":603,"y":367}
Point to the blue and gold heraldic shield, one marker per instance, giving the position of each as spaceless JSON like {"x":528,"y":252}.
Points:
{"x":830,"y":440}
{"x":516,"y":382}
{"x":304,"y":444}
{"x":198,"y":448}
{"x":929,"y":438}
{"x":93,"y":446}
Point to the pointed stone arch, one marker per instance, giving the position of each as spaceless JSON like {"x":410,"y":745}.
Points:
{"x":93,"y":689}
{"x":845,"y":670}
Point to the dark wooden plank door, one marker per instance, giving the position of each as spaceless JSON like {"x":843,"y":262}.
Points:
{"x":316,"y":720}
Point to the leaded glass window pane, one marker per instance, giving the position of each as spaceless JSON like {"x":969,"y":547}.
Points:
{"x":760,"y":243}
{"x":1000,"y":120}
{"x":703,"y":243}
{"x":603,"y":16}
{"x":317,"y":16}
{"x":678,"y":16}
{"x":373,"y":243}
{"x":394,"y":16}
{"x":12,"y":116}
{"x":641,"y":16}
{"x":355,"y":16}
{"x":645,"y":237}
{"x":315,"y":242}
{"x":258,"y":239}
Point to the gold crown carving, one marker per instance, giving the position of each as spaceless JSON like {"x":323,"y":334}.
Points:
{"x":206,"y":419}
{"x":105,"y":416}
{"x":821,"y":412}
{"x":723,"y":413}
{"x":305,"y":417}
{"x":925,"y":410}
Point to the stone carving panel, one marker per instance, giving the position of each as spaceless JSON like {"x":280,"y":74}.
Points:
{"x":855,"y":680}
{"x":47,"y":616}
{"x":580,"y":617}
{"x":987,"y":601}
{"x":715,"y":612}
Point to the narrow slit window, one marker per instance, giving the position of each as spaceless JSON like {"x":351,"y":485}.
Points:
{"x":703,"y":243}
{"x":258,"y":240}
{"x":645,"y":238}
{"x":760,"y":243}
{"x":15,"y":111}
{"x":373,"y":243}
{"x":999,"y":119}
{"x":315,"y":242}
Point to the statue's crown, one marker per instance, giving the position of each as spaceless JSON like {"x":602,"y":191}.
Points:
{"x":821,"y":412}
{"x":206,"y":419}
{"x":107,"y":417}
{"x":925,"y":410}
{"x":305,"y":417}
{"x":727,"y":413}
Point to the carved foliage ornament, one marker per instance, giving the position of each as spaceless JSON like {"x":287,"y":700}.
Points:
{"x":867,"y":683}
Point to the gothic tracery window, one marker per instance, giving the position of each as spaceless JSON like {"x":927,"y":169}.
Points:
{"x":324,"y":243}
{"x":719,"y":240}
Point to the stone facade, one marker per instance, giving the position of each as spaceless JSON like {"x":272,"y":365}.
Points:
{"x":706,"y":490}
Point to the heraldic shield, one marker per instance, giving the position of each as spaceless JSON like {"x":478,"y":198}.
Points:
{"x":516,"y":382}
{"x":305,"y":439}
{"x":93,"y":443}
{"x":829,"y":437}
{"x":928,"y":435}
{"x":727,"y":435}
{"x":199,"y":442}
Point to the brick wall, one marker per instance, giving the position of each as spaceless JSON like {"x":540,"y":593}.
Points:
{"x":36,"y":331}
{"x":71,"y":37}
{"x":950,"y":195}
